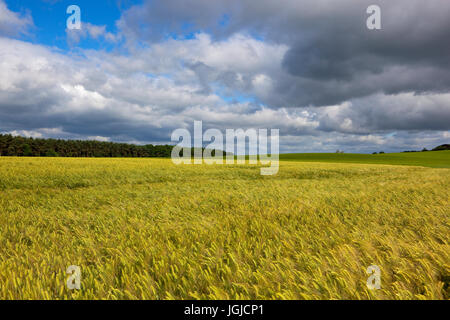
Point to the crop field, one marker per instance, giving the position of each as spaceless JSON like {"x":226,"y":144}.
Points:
{"x":147,"y":229}
{"x":433,"y":159}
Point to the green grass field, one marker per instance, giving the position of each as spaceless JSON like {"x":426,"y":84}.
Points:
{"x":433,"y":159}
{"x":147,"y":229}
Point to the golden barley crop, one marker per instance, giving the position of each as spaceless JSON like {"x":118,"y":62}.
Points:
{"x":147,"y":229}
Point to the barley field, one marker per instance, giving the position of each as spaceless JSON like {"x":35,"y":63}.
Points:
{"x":147,"y":229}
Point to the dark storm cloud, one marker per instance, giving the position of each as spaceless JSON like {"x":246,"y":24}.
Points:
{"x":410,"y":53}
{"x":381,"y":113}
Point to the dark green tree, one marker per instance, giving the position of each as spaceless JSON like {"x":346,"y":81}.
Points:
{"x":27,"y":152}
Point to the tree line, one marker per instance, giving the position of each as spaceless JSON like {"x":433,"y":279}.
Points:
{"x":34,"y":147}
{"x":442,"y":147}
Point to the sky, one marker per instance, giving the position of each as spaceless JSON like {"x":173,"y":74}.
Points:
{"x":138,"y":70}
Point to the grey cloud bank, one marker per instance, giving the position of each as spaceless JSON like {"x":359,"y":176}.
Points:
{"x":310,"y":68}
